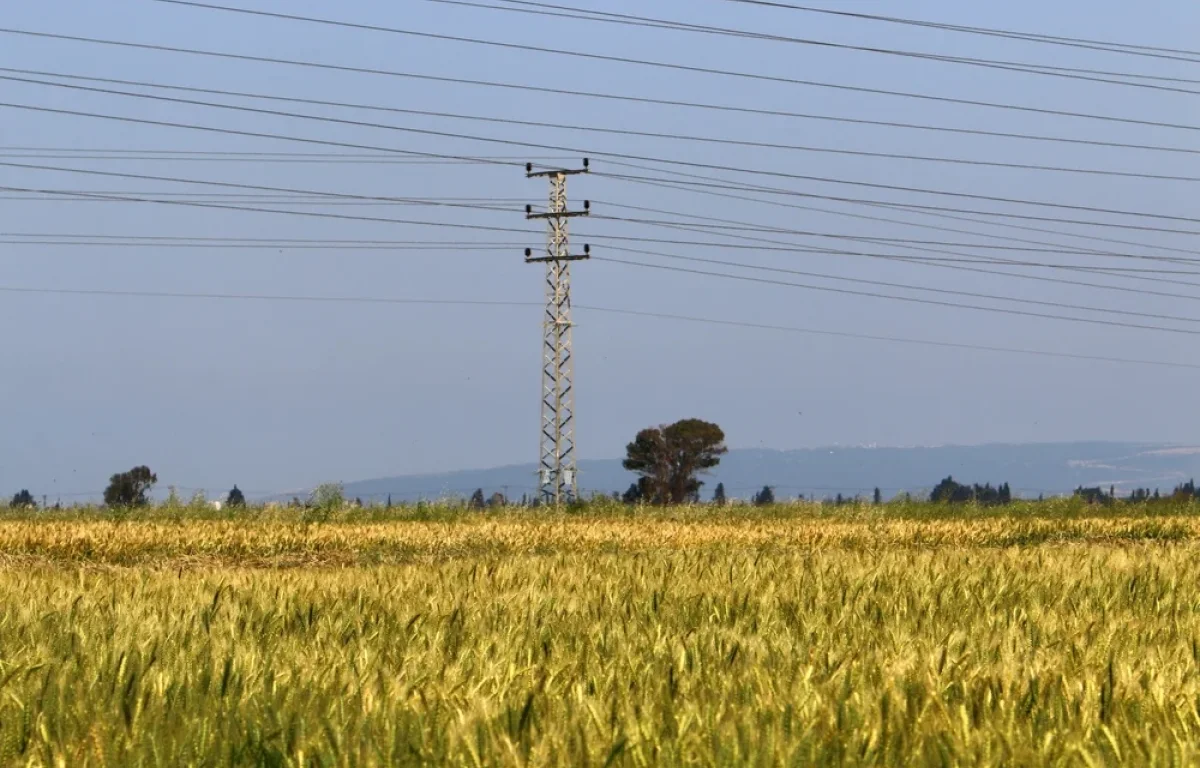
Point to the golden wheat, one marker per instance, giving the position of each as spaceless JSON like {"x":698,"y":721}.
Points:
{"x":856,"y":640}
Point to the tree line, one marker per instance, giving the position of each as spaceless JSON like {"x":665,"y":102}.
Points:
{"x":668,"y":461}
{"x":128,"y":490}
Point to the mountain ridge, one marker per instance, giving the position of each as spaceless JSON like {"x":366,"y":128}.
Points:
{"x":1030,"y":468}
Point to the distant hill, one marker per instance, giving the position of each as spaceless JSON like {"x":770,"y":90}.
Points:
{"x":1031,"y":469}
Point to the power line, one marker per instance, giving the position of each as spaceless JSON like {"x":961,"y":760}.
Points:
{"x":269,"y":240}
{"x":316,"y":214}
{"x":192,"y":242}
{"x":716,"y":183}
{"x":64,"y":197}
{"x":115,"y":196}
{"x":204,"y":153}
{"x":1068,"y":250}
{"x":119,"y":197}
{"x":675,"y":66}
{"x":727,"y":185}
{"x":139,"y":199}
{"x":256,"y":187}
{"x":227,"y":131}
{"x":945,"y":213}
{"x":580,"y":128}
{"x":910,"y":299}
{"x":384,"y":245}
{"x":730,"y":228}
{"x":1095,"y":269}
{"x":504,"y":205}
{"x":261,"y":246}
{"x":267,"y":297}
{"x":690,"y":164}
{"x":1077,"y":250}
{"x":931,"y":260}
{"x":317,"y":195}
{"x":789,"y":247}
{"x":584,"y":94}
{"x":300,"y":197}
{"x":960,"y":264}
{"x":702,"y":228}
{"x":379,"y":160}
{"x":671,"y":184}
{"x":281,"y":211}
{"x":629,"y":20}
{"x":909,"y":287}
{"x":946,"y":262}
{"x":586,"y":308}
{"x":1130,"y":49}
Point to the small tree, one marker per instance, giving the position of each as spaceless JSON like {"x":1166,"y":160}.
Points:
{"x":1005,"y":494}
{"x":719,"y":495}
{"x":765,"y":497}
{"x":497,"y":500}
{"x":1186,"y":490}
{"x":23,"y":500}
{"x":669,"y":458}
{"x":235,"y":498}
{"x":129,"y":489}
{"x":328,"y":497}
{"x":477,"y":499}
{"x":878,"y":499}
{"x":323,"y":502}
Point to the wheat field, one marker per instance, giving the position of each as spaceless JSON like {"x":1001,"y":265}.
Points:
{"x":805,"y":638}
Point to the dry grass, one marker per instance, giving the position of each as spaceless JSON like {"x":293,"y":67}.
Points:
{"x":770,"y":639}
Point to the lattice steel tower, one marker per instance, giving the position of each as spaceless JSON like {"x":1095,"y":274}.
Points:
{"x":558,"y":476}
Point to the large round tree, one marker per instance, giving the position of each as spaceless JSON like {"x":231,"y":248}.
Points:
{"x":130,"y":489}
{"x":669,"y":459}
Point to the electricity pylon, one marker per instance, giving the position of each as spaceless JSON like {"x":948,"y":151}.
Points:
{"x":557,"y":468}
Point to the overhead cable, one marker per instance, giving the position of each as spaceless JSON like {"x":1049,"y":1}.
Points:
{"x":543,"y":125}
{"x":674,"y":66}
{"x":587,"y":308}
{"x":1131,"y":49}
{"x":588,"y":94}
{"x":630,"y":20}
{"x":667,"y":161}
{"x":892,"y":297}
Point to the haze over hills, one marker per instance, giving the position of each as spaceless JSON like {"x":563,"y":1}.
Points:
{"x":1031,"y":469}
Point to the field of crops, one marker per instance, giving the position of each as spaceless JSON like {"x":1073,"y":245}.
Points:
{"x":862,"y":637}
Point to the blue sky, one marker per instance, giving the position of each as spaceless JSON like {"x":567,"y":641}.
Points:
{"x":276,"y":396}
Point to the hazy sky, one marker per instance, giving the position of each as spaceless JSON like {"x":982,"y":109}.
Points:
{"x":276,"y":395}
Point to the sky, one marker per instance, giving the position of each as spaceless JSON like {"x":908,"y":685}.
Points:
{"x":280,"y":395}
